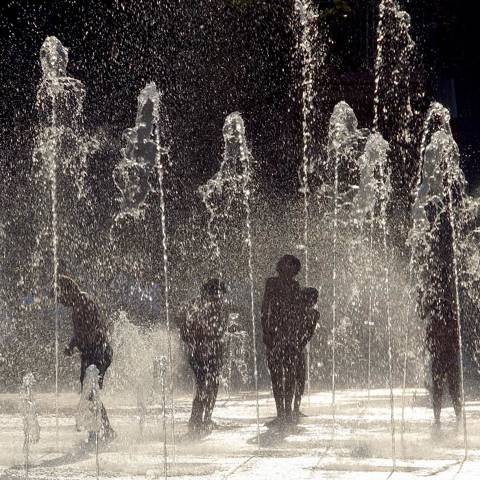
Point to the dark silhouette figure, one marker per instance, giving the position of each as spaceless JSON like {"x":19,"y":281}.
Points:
{"x":439,"y":309}
{"x":307,"y":322}
{"x":279,"y":312}
{"x":203,"y":324}
{"x":90,"y":337}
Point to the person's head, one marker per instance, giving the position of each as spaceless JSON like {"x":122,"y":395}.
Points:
{"x":310,"y":297}
{"x":214,"y":289}
{"x":288,"y":266}
{"x":68,"y":290}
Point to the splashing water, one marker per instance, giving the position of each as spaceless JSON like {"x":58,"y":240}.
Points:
{"x":161,"y":160}
{"x":343,"y":146}
{"x":376,"y":154}
{"x":133,"y":176}
{"x":438,"y":207}
{"x":235,"y":178}
{"x":161,"y":370}
{"x":59,"y":101}
{"x":393,"y":116}
{"x":31,"y":427}
{"x":437,"y":119}
{"x":237,"y":351}
{"x":307,"y":16}
{"x":223,"y":194}
{"x":142,"y":158}
{"x":89,"y":412}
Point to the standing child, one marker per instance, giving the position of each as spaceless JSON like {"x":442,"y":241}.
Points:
{"x":90,"y":337}
{"x":279,"y":311}
{"x":202,"y":327}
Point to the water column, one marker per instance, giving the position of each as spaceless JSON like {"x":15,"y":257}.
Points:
{"x":237,"y":128}
{"x":393,"y":116}
{"x":437,"y":119}
{"x":344,"y":139}
{"x":364,"y":206}
{"x":449,"y":149}
{"x":59,"y":103}
{"x":227,"y":197}
{"x":142,"y":157}
{"x":161,"y":159}
{"x":442,"y":189}
{"x":307,"y":16}
{"x":375,"y":192}
{"x":31,"y":427}
{"x":376,"y":151}
{"x":89,"y":411}
{"x":393,"y":120}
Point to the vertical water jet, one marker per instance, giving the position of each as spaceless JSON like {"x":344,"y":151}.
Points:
{"x":59,"y":103}
{"x":143,"y":157}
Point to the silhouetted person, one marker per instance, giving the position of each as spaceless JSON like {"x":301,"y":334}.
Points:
{"x":203,"y":324}
{"x":307,"y":321}
{"x":439,"y":309}
{"x":90,"y":337}
{"x":279,"y":312}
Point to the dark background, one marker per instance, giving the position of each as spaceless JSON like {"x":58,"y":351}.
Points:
{"x":212,"y":57}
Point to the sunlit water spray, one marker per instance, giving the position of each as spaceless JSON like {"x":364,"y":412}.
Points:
{"x":393,"y":119}
{"x":234,"y":182}
{"x":31,"y":427}
{"x":307,"y":16}
{"x":344,"y":139}
{"x":377,"y":150}
{"x":143,"y":157}
{"x":161,"y":370}
{"x":393,"y":115}
{"x":89,"y":413}
{"x":443,"y":190}
{"x":59,"y":102}
{"x":437,"y":119}
{"x":365,"y":206}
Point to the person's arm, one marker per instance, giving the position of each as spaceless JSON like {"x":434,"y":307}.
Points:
{"x":268,"y":297}
{"x":312,"y":324}
{"x":265,"y":312}
{"x":74,"y":340}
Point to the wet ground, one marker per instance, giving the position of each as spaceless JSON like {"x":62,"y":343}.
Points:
{"x":357,"y":445}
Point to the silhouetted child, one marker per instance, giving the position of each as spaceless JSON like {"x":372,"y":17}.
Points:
{"x":90,"y":337}
{"x":307,"y":322}
{"x":203,"y":324}
{"x":438,"y":308}
{"x":279,"y":312}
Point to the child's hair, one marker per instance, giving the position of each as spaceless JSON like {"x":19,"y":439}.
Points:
{"x":289,"y":265}
{"x":310,"y":295}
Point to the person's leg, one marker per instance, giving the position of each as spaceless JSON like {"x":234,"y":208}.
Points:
{"x":289,"y":368}
{"x":83,"y":369}
{"x":454,"y":387}
{"x":300,"y":374}
{"x":276,"y":375}
{"x":212,"y":391}
{"x":103,"y":362}
{"x":438,"y":380}
{"x":90,"y":358}
{"x":197,"y":404}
